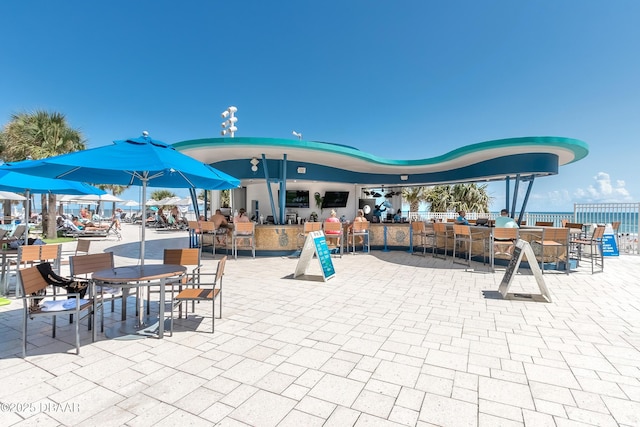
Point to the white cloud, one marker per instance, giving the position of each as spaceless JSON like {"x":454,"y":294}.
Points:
{"x":603,"y":191}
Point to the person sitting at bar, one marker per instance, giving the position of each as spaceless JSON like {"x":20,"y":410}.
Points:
{"x":462,"y":218}
{"x":242,"y":216}
{"x":333,"y":234}
{"x":220,"y":223}
{"x":505,"y":221}
{"x":359,"y":218}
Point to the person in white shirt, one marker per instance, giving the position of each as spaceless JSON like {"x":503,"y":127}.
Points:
{"x":505,"y":221}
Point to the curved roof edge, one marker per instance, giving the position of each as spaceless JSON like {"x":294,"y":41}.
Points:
{"x":535,"y":156}
{"x":569,"y":150}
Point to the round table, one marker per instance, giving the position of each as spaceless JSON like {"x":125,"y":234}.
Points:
{"x":140,"y":276}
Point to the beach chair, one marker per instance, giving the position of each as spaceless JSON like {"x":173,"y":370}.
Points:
{"x":113,"y":230}
{"x":18,"y":236}
{"x":3,"y":234}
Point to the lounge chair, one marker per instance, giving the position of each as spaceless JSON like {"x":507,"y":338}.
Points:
{"x":17,"y":236}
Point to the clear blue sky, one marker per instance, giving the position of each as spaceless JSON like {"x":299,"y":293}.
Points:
{"x":403,"y":80}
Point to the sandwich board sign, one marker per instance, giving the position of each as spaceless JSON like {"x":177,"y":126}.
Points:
{"x":315,"y":244}
{"x":522,"y":247}
{"x":609,"y":245}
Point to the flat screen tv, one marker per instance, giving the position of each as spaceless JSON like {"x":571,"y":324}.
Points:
{"x":335,"y":199}
{"x":297,"y":199}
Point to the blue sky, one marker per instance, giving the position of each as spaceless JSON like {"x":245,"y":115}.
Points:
{"x":403,"y":80}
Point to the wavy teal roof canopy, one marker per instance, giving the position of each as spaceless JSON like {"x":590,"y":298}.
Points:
{"x":322,"y":161}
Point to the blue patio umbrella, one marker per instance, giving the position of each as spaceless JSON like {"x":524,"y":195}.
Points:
{"x":23,"y":183}
{"x":138,"y":161}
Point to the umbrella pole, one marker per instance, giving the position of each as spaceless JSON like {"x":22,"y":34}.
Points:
{"x":141,"y":289}
{"x":27,"y":213}
{"x":144,"y":221}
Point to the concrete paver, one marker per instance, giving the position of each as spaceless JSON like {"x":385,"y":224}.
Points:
{"x":393,"y":339}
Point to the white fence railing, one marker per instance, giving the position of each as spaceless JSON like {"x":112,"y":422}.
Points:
{"x":626,"y":214}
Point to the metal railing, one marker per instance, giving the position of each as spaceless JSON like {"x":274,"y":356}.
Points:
{"x":627,"y":214}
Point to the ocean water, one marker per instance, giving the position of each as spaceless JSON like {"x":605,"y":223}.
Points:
{"x":628,"y":220}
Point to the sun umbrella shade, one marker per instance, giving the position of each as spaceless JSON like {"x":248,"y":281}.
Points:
{"x":132,"y":162}
{"x":15,"y":181}
{"x":167,"y":201}
{"x":139,"y":161}
{"x":8,"y":195}
{"x":102,"y":198}
{"x":187,"y":202}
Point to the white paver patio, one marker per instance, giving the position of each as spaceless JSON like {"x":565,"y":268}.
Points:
{"x":393,"y":339}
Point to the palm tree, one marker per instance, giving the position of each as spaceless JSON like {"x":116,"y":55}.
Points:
{"x":439,"y":198}
{"x":470,"y":198}
{"x":225,"y":198}
{"x":414,"y":196}
{"x":39,"y":135}
{"x":465,"y":197}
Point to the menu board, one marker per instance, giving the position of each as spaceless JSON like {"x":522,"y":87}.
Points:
{"x":315,"y":244}
{"x":609,"y":246}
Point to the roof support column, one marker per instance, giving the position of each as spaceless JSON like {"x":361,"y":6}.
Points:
{"x":283,"y":189}
{"x":268,"y":183}
{"x":526,"y":199}
{"x":506,"y":204}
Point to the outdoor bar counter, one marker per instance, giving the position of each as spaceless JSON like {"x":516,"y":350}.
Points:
{"x":278,"y":240}
{"x":282,"y":240}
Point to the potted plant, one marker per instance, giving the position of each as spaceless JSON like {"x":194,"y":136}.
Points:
{"x":318,"y":199}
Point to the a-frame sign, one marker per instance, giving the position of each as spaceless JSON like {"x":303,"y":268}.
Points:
{"x":315,"y":244}
{"x":521,"y":248}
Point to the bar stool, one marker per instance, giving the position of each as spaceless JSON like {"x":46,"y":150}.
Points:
{"x":333,"y":231}
{"x":556,"y":238}
{"x":419,"y":235}
{"x":462,"y":234}
{"x":441,"y":233}
{"x":244,"y":231}
{"x":360,"y":229}
{"x":308,"y":227}
{"x":595,"y":253}
{"x":500,"y":238}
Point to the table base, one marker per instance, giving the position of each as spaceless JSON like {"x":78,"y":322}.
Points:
{"x":132,"y":330}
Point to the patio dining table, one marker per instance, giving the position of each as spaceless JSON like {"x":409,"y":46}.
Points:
{"x":140,"y":277}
